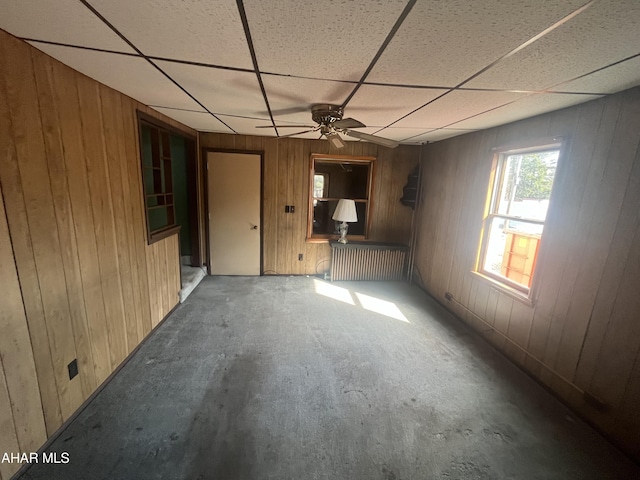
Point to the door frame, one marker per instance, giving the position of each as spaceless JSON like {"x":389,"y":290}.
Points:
{"x":205,"y":151}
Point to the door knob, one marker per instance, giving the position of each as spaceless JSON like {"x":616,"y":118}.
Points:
{"x":255,"y":227}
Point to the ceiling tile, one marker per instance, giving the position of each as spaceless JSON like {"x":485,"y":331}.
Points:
{"x":61,"y":21}
{"x":456,"y":106}
{"x":132,"y":76}
{"x":193,"y":30}
{"x":335,"y":39}
{"x":604,"y":33}
{"x":529,"y":106}
{"x":610,"y":80}
{"x":201,"y":121}
{"x":443,"y":43}
{"x":291,"y":99}
{"x":221,"y":91}
{"x":381,"y":105}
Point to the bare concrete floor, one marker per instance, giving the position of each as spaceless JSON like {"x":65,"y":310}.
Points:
{"x":296,"y":378}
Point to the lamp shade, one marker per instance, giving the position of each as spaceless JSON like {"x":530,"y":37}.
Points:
{"x":345,"y":211}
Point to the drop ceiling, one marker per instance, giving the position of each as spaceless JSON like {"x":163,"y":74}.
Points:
{"x":412,"y":70}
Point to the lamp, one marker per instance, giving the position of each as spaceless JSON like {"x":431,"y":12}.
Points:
{"x":345,"y":212}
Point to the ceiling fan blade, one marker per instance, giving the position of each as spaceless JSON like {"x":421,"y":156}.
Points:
{"x":348,"y":123}
{"x":285,"y":126}
{"x":385,"y":142}
{"x":298,"y":133}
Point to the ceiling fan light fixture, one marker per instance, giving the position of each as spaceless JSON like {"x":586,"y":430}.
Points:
{"x":335,"y":140}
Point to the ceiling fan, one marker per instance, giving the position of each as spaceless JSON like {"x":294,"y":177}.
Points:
{"x":330,"y":124}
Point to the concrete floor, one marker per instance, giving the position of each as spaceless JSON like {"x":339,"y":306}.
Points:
{"x":296,"y":378}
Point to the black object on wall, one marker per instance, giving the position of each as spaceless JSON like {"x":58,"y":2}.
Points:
{"x":410,"y":190}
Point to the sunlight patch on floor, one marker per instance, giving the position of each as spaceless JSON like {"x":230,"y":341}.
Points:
{"x":383,"y":307}
{"x":333,"y":291}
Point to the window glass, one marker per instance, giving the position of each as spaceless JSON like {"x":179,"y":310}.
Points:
{"x":514,"y":225}
{"x":155,"y":153}
{"x":526,"y":184}
{"x":334,"y":178}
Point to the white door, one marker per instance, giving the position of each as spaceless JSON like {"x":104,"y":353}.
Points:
{"x":234,"y":213}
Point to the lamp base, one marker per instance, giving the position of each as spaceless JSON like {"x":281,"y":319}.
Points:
{"x":343,"y":233}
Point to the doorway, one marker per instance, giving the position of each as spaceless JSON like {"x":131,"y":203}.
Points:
{"x":170,"y":182}
{"x":234,"y":192}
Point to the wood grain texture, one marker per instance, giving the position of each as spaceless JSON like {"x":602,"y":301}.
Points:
{"x":23,"y":250}
{"x":38,"y":198}
{"x":285,"y":182}
{"x":64,"y":217}
{"x":74,"y":258}
{"x":21,"y":416}
{"x":8,"y":439}
{"x":581,"y":334}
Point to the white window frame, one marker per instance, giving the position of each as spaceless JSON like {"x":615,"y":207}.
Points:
{"x":494,"y":191}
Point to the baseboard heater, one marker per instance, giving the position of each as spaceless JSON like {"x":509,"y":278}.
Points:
{"x":368,"y":261}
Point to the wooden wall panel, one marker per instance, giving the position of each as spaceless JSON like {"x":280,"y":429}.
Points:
{"x":23,"y":251}
{"x":581,"y":337}
{"x":21,"y":417}
{"x":285,"y":182}
{"x":137,"y":224}
{"x":29,"y":143}
{"x":81,"y":281}
{"x":114,"y":151}
{"x":64,"y":217}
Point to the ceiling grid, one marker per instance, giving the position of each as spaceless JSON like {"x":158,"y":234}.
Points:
{"x":412,"y":71}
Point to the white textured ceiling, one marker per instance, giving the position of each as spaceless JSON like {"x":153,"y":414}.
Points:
{"x":442,"y":43}
{"x":410,"y":72}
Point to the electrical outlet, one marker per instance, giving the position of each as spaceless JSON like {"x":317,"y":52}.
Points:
{"x":287,"y":209}
{"x":73,"y":368}
{"x":300,"y":256}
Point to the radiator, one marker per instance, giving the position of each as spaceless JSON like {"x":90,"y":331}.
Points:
{"x":367,"y":261}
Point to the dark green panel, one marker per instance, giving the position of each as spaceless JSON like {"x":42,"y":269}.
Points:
{"x":180,"y":185}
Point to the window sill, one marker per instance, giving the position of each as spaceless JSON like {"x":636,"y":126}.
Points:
{"x":162,"y":234}
{"x":328,"y":238}
{"x":506,"y":289}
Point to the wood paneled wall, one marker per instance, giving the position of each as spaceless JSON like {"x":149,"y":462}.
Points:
{"x":286,"y":182}
{"x":581,"y":338}
{"x":79,"y":279}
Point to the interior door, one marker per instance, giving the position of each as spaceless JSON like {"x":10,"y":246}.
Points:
{"x":234,"y":181}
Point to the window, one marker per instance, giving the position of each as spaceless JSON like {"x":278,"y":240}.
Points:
{"x":321,"y":185}
{"x":332,"y":178}
{"x":513,"y":227}
{"x":156,"y":145}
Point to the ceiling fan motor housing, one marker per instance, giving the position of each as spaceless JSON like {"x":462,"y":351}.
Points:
{"x":326,"y":114}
